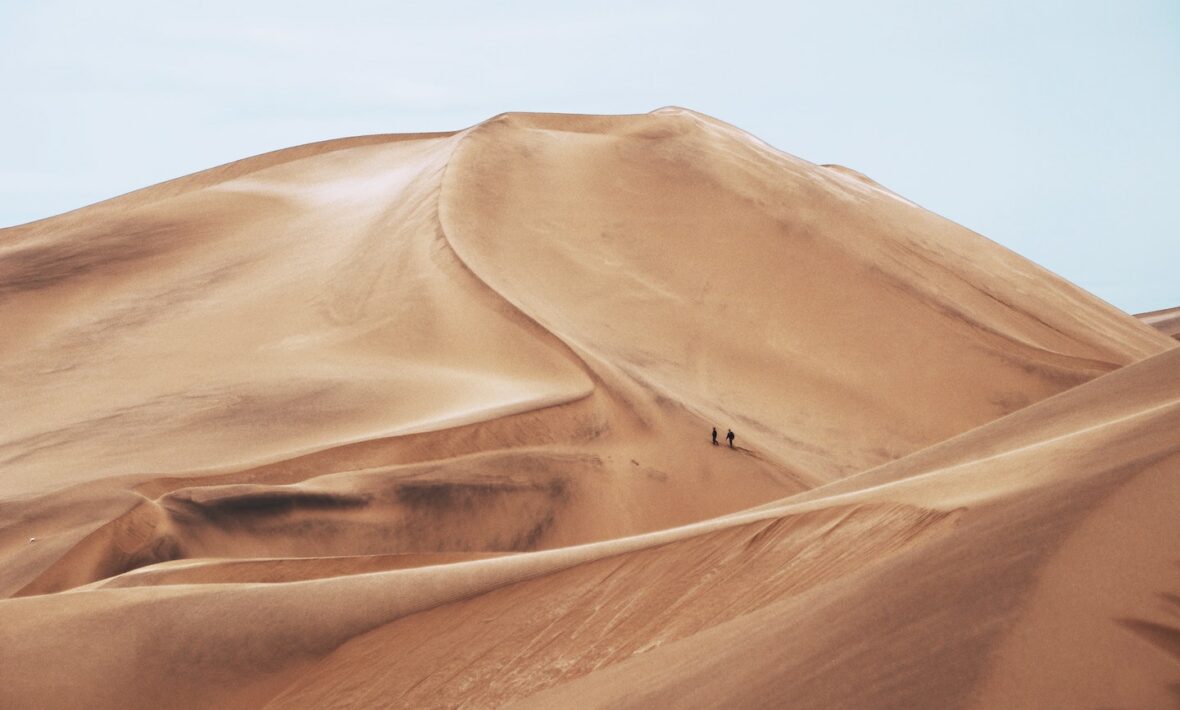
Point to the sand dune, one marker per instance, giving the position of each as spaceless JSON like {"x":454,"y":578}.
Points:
{"x":422,"y":420}
{"x":1166,"y":321}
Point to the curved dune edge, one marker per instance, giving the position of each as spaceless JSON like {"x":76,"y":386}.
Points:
{"x":273,"y":570}
{"x":423,"y":421}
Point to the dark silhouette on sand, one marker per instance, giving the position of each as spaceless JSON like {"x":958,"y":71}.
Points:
{"x":714,"y":436}
{"x":729,"y":438}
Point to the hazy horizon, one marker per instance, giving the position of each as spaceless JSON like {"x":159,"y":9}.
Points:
{"x":1049,"y":129}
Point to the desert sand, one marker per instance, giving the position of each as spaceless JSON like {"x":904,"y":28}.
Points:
{"x":423,"y":421}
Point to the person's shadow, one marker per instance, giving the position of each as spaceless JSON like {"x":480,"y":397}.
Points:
{"x":739,"y":449}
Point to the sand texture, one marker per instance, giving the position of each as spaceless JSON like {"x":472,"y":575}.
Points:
{"x":423,"y":421}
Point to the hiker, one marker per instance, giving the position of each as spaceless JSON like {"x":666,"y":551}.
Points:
{"x":714,"y":436}
{"x":729,"y":438}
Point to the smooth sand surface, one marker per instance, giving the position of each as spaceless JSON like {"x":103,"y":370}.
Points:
{"x":423,"y":421}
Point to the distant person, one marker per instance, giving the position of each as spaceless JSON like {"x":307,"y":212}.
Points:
{"x":729,"y":438}
{"x":714,"y":436}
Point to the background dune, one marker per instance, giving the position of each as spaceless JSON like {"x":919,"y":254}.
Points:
{"x":1166,"y":321}
{"x":423,"y":420}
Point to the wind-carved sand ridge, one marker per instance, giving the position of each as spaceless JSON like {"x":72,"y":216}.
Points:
{"x":422,"y":421}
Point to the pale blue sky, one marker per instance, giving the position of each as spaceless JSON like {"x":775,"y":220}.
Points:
{"x":1051,"y":127}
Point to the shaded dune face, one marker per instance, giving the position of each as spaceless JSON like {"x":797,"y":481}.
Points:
{"x":423,"y":420}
